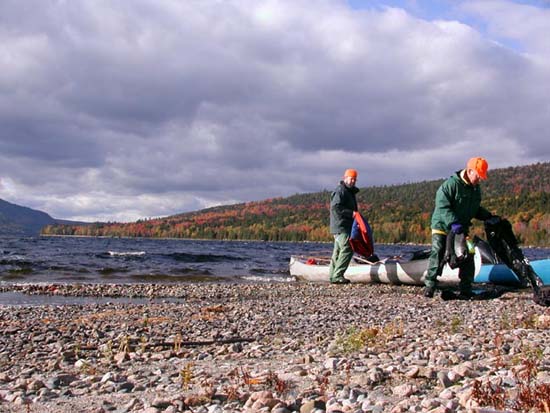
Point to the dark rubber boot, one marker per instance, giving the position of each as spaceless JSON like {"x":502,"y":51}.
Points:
{"x":429,"y":292}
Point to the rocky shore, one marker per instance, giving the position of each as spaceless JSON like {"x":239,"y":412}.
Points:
{"x":288,"y":347}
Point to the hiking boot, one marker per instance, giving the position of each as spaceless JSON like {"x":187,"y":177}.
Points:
{"x":447,"y":295}
{"x":466,"y":295}
{"x":521,"y":271}
{"x":429,"y":292}
{"x":340,"y":281}
{"x":541,"y":296}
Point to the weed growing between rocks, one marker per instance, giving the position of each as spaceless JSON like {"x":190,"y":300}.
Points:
{"x":489,"y":394}
{"x":136,"y":354}
{"x":510,"y":321}
{"x":456,"y":324}
{"x":186,"y":375}
{"x":528,"y":394}
{"x":240,"y":385}
{"x":281,"y":387}
{"x":355,"y":340}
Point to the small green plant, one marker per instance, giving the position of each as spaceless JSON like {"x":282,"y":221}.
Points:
{"x":143,"y":343}
{"x":84,"y":365}
{"x":77,"y":348}
{"x":88,"y":369}
{"x":108,"y":350}
{"x":392,"y":329}
{"x":504,"y":322}
{"x":456,"y":323}
{"x":439,"y":323}
{"x":528,"y":352}
{"x":186,"y":375}
{"x":529,"y":321}
{"x":124,"y":345}
{"x":355,"y":340}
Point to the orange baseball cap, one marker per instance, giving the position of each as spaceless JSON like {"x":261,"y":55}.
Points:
{"x":479,"y":165}
{"x":350,"y":172}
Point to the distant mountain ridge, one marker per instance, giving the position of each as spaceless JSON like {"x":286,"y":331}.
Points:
{"x":397,"y":213}
{"x":16,"y":220}
{"x":21,"y":221}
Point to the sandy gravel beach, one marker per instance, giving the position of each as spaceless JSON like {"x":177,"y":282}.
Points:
{"x":279,"y":347}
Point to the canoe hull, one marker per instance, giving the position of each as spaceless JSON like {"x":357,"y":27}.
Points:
{"x":414,"y":272}
{"x":386,"y":272}
{"x":501,"y":274}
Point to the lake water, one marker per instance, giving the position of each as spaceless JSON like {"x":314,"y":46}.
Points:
{"x":130,"y":260}
{"x":73,"y":260}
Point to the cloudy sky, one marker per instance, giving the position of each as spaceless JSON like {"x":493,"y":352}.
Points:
{"x":120,"y":110}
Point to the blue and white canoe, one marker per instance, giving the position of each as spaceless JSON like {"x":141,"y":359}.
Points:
{"x":502,"y":275}
{"x":393,"y":271}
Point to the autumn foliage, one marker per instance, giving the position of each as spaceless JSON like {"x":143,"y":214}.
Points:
{"x":397,"y":213}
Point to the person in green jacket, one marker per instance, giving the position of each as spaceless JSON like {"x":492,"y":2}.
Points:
{"x":343,"y":206}
{"x":457,"y":202}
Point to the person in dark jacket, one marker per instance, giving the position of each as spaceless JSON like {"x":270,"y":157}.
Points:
{"x":343,"y":206}
{"x":457,"y":202}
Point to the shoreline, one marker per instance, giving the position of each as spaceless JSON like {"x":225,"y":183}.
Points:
{"x":182,"y":239}
{"x":328,"y":242}
{"x":269,"y":347}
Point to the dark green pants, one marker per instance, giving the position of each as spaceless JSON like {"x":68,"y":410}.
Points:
{"x":465,"y":272}
{"x":341,"y":257}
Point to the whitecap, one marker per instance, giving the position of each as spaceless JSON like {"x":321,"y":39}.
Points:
{"x":126,"y":253}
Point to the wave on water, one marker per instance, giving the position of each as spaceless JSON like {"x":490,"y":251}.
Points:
{"x":72,"y":278}
{"x":109,"y":270}
{"x":68,"y":269}
{"x":188,"y":257}
{"x":126,"y":253}
{"x":168,"y":278}
{"x":12,"y":277}
{"x":16,"y":260}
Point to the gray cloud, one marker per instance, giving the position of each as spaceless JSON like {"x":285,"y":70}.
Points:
{"x":147,"y":108}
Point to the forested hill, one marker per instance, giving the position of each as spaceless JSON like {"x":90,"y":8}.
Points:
{"x":397,"y":213}
{"x":16,"y":220}
{"x":20,"y":221}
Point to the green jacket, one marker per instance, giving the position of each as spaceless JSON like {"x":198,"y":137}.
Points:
{"x":457,"y":201}
{"x":342,"y":205}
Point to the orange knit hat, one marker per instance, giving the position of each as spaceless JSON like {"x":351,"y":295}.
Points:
{"x":479,"y":165}
{"x":350,"y":172}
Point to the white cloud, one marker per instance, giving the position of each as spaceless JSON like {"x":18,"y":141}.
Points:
{"x":116,"y":111}
{"x":525,"y":23}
